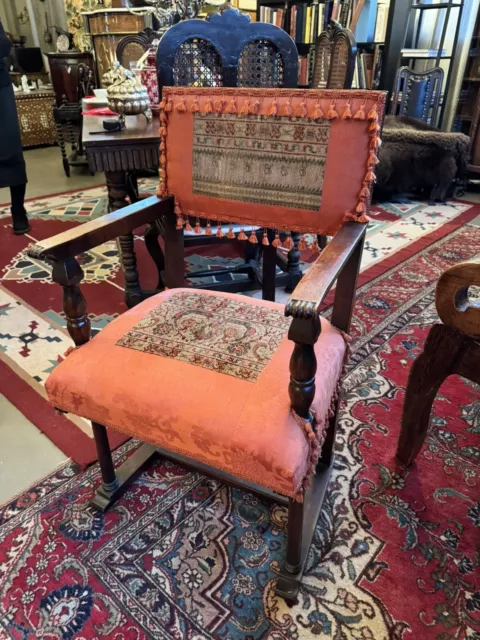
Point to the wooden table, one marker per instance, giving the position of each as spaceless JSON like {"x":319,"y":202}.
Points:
{"x":117,"y":154}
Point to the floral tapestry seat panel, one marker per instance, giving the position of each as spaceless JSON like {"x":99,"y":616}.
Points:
{"x":203,"y":374}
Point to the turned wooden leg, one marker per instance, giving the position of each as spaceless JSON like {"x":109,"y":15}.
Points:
{"x":133,"y":290}
{"x":117,"y":186}
{"x":110,"y":481}
{"x":444,"y":347}
{"x":68,"y":275}
{"x":152,"y":233}
{"x":293,"y":560}
{"x":71,"y":135}
{"x":294,"y":270}
{"x":63,"y":150}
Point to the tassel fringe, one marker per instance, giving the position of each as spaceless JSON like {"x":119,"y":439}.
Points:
{"x":188,"y":226}
{"x":288,"y":243}
{"x":218,"y":105}
{"x":301,"y":111}
{"x":265,"y":241}
{"x":273,"y":109}
{"x":303,"y":244}
{"x":198,"y":228}
{"x":318,"y":113}
{"x":360,"y":115}
{"x":208,"y":229}
{"x":253,"y":238}
{"x":208,"y":106}
{"x":254,"y":108}
{"x":230,"y":233}
{"x":195,"y":107}
{"x":287,"y":109}
{"x":181,"y":106}
{"x":245,"y":108}
{"x":219,"y":233}
{"x":276,"y":241}
{"x":347,"y":114}
{"x":232,"y":106}
{"x":332,"y":112}
{"x":241,"y":235}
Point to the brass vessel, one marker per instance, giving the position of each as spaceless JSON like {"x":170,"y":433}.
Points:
{"x":127,"y":96}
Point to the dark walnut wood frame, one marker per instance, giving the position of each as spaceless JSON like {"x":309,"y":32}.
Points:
{"x":339,"y":262}
{"x":451,"y":348}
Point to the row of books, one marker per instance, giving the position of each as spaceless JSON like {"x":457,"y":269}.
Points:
{"x":304,"y":70}
{"x":306,"y":22}
{"x":368,"y":68}
{"x":272,"y":16}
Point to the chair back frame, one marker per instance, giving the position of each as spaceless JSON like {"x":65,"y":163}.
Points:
{"x":406,"y":89}
{"x":238,"y":46}
{"x":335,"y":53}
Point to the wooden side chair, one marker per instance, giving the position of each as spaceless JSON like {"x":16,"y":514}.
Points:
{"x":417,"y":94}
{"x":334,"y":61}
{"x":209,"y":379}
{"x":228,"y":50}
{"x":451,"y":348}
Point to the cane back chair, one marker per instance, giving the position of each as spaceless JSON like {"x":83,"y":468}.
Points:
{"x":334,"y":62}
{"x":228,"y":50}
{"x":209,"y":379}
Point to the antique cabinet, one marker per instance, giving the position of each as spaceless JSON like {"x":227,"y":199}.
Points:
{"x":106,"y":27}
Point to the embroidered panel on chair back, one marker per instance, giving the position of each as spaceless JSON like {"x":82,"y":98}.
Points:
{"x":293,"y":160}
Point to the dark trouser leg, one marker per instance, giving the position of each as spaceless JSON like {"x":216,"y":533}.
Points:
{"x":19,"y":215}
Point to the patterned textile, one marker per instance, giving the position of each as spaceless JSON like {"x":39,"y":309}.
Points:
{"x":227,"y":336}
{"x":394,"y":555}
{"x":259,"y":159}
{"x":228,"y":422}
{"x":285,"y":159}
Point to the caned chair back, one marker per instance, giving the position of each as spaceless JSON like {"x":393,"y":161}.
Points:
{"x":334,"y":62}
{"x":291,"y":160}
{"x":226,"y":50}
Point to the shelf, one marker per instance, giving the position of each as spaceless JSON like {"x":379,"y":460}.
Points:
{"x":425,"y":57}
{"x":471,"y":79}
{"x":369,"y":44}
{"x":439,"y":5}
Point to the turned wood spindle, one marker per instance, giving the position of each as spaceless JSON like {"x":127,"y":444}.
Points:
{"x":68,"y":274}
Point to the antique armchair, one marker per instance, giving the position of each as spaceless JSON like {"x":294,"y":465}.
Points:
{"x":451,"y":348}
{"x":209,"y":379}
{"x":228,"y":50}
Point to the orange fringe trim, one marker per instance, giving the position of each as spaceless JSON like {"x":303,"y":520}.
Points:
{"x":332,"y":112}
{"x":230,"y":233}
{"x":253,"y":238}
{"x":347,"y":114}
{"x":188,"y":226}
{"x":241,"y":235}
{"x":276,"y":241}
{"x":232,"y":106}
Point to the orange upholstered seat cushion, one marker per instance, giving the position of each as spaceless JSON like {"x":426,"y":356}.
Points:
{"x":205,"y":375}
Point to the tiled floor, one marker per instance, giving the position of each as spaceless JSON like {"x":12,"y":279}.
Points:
{"x":25,"y":453}
{"x":45,"y":175}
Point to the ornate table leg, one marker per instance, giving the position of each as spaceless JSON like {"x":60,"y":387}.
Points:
{"x":63,"y":150}
{"x":117,"y":198}
{"x":294,"y":270}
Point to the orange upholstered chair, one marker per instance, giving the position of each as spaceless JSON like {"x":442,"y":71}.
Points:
{"x":243,"y":389}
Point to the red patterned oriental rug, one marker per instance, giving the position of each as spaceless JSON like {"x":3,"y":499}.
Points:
{"x":395,"y":554}
{"x":33,"y":337}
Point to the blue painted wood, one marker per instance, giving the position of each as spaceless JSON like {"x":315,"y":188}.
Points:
{"x":229,"y":33}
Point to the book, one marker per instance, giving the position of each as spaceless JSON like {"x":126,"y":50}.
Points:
{"x":299,"y":22}
{"x":321,"y":19}
{"x":345,"y":10}
{"x":377,"y":66}
{"x":308,"y":24}
{"x":302,"y":70}
{"x":362,"y":83}
{"x":381,"y":22}
{"x":367,"y":63}
{"x":293,"y":21}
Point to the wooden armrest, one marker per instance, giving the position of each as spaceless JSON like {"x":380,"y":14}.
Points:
{"x":454,"y":307}
{"x":308,"y":295}
{"x":91,"y":234}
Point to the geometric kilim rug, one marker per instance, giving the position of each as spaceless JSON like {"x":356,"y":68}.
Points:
{"x":395,"y":554}
{"x":33,"y":337}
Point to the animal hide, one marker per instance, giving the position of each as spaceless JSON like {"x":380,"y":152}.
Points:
{"x":418,"y":158}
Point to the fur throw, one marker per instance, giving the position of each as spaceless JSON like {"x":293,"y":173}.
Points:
{"x":418,"y":158}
